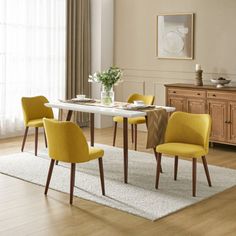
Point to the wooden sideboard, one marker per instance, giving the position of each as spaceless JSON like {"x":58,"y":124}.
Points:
{"x":220,"y":103}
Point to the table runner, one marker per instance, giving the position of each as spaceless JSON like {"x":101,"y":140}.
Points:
{"x":157,"y":120}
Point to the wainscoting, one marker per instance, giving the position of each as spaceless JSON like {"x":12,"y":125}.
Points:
{"x":148,"y":81}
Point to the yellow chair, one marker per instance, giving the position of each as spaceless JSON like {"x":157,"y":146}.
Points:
{"x":66,"y":143}
{"x":34,"y":111}
{"x":148,"y":100}
{"x":187,"y":135}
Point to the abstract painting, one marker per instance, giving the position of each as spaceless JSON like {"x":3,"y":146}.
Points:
{"x":175,"y":36}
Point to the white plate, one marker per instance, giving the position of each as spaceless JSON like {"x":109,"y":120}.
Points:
{"x":81,"y":99}
{"x":136,"y":105}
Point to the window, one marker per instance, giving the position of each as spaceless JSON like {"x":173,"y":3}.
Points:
{"x":32,"y":56}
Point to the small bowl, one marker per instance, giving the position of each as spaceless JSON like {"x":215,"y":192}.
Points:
{"x":220,"y":82}
{"x":81,"y":96}
{"x":138,"y":102}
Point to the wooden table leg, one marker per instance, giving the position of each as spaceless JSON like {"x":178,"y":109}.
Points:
{"x":146,"y":121}
{"x":69,"y":114}
{"x":92,"y":129}
{"x":125,"y":148}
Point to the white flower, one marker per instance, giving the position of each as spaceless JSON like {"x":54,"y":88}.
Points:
{"x":93,"y":78}
{"x":108,"y":78}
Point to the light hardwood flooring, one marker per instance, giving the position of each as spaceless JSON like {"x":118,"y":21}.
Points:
{"x":24,"y":210}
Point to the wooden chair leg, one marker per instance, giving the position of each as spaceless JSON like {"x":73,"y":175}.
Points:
{"x":114,"y":135}
{"x":57,"y":162}
{"x":132,"y":133}
{"x":36,"y":140}
{"x":156,"y":156}
{"x":45,"y":138}
{"x":158,"y":169}
{"x":72,"y":182}
{"x":101,"y":175}
{"x":24,"y":139}
{"x":206,"y":170}
{"x":194,"y":176}
{"x":49,"y":176}
{"x":135,"y":137}
{"x":176,"y":167}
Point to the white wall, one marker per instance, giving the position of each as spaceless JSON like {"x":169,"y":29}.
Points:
{"x":101,"y":47}
{"x":135,"y":44}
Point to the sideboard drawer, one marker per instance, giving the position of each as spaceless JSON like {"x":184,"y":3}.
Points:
{"x":221,"y":95}
{"x":187,"y":93}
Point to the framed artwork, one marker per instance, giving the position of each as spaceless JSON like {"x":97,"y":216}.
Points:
{"x":175,"y":36}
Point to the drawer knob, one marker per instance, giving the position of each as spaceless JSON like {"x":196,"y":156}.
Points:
{"x":198,"y":94}
{"x":174,"y":91}
{"x":213,"y":95}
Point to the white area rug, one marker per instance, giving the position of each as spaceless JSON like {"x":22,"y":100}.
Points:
{"x":139,"y":196}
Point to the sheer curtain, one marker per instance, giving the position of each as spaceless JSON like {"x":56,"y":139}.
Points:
{"x":32,"y":56}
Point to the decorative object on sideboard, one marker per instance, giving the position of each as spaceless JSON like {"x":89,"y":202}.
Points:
{"x":198,"y":78}
{"x":220,"y":82}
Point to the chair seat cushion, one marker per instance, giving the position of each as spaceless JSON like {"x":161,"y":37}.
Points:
{"x":118,"y":119}
{"x":95,"y":153}
{"x":181,"y":149}
{"x":35,"y":123}
{"x":135,"y":120}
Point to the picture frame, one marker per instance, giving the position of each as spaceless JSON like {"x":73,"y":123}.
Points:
{"x":175,"y":34}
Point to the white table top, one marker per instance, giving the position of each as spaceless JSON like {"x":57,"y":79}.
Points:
{"x":109,"y":111}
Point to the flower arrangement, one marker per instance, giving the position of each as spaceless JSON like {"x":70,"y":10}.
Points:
{"x":108,"y":78}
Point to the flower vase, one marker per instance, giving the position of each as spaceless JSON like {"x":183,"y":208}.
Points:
{"x":107,"y":96}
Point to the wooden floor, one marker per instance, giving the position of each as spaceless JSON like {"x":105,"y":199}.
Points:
{"x":24,"y":210}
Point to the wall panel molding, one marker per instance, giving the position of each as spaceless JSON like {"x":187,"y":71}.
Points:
{"x":174,"y":74}
{"x":130,"y":70}
{"x":152,"y":82}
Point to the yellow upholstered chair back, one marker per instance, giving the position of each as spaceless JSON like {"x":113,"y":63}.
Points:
{"x":147,"y":99}
{"x":66,"y":141}
{"x":34,"y":108}
{"x":189,"y":128}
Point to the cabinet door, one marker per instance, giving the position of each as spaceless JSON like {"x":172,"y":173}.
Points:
{"x":218,"y":112}
{"x":178,"y":102}
{"x":232,"y":122}
{"x":197,"y":106}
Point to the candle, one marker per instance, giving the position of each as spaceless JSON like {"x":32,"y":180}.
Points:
{"x":198,"y":67}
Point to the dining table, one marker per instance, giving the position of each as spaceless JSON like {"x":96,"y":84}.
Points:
{"x":97,"y":108}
